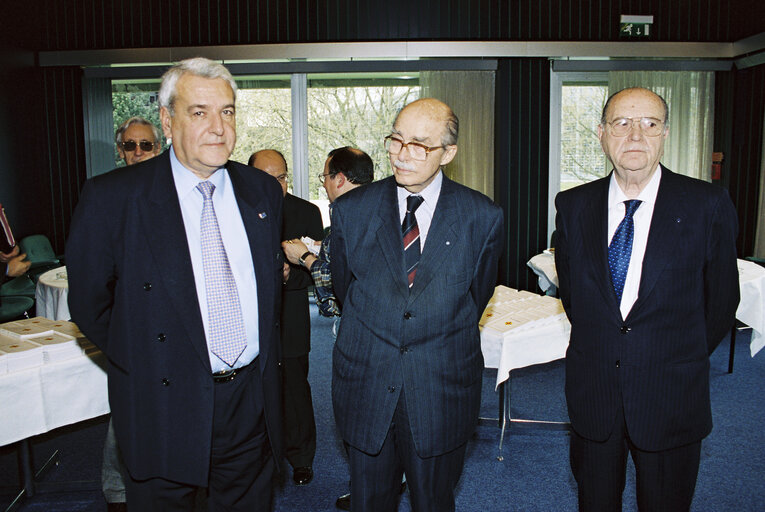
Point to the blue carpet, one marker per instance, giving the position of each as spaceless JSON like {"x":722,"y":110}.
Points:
{"x":534,"y":475}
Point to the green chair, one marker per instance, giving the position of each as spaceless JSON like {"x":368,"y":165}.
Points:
{"x":21,"y":286}
{"x":13,"y":308}
{"x":40,"y":253}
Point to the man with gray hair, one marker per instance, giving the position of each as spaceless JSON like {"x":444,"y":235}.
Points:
{"x":176,"y":273}
{"x":137,"y":140}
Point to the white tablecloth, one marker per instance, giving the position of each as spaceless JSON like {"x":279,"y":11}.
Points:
{"x":52,"y":395}
{"x":51,"y":295}
{"x":538,"y":339}
{"x":751,"y":309}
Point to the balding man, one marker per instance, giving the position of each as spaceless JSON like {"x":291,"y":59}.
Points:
{"x":414,"y":262}
{"x":301,"y":218}
{"x":647,"y":266}
{"x":137,"y":140}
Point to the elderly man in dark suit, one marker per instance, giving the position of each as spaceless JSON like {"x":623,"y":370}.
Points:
{"x":414,"y":262}
{"x":647,"y":265}
{"x":301,"y":218}
{"x":175,"y":272}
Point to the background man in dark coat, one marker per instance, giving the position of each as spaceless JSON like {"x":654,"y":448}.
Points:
{"x":647,"y":265}
{"x":301,"y":218}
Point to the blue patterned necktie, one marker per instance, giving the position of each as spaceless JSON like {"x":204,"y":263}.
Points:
{"x":620,"y":250}
{"x":224,"y":313}
{"x":411,"y":234}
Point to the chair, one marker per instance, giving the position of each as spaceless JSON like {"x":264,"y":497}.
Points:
{"x":40,"y":253}
{"x":21,"y":286}
{"x":13,"y":308}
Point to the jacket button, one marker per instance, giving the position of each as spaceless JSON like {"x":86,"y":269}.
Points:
{"x":404,"y":350}
{"x":624,"y":329}
{"x":407,"y":315}
{"x":147,"y":286}
{"x":391,"y":389}
{"x":618,"y":363}
{"x":161,"y":337}
{"x":165,"y":382}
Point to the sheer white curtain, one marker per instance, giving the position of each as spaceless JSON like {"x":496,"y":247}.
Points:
{"x":470,"y":94}
{"x":759,"y":240}
{"x":691,"y":98}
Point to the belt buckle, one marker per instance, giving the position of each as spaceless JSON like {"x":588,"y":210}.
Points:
{"x":225,"y":375}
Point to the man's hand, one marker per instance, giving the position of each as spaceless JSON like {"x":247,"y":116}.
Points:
{"x":294,"y":249}
{"x":18,"y":266}
{"x":5,"y":257}
{"x":285,"y":272}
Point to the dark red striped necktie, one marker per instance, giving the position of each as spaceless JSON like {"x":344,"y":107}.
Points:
{"x":411,"y":234}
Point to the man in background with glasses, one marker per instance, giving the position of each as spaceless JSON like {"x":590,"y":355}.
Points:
{"x":646,"y":261}
{"x":300,"y":218}
{"x":137,"y":140}
{"x":414,"y":263}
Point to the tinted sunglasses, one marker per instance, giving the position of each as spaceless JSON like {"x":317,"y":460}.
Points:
{"x":130,"y":145}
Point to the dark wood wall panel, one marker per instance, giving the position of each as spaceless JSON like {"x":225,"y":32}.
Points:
{"x":746,"y":152}
{"x":98,"y":24}
{"x":63,"y":147}
{"x":521,"y":163}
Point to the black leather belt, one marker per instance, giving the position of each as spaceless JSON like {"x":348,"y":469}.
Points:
{"x":229,"y":375}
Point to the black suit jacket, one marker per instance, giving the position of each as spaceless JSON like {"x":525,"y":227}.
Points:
{"x":424,"y":341}
{"x":654,"y":363}
{"x":132,"y":293}
{"x":301,"y":218}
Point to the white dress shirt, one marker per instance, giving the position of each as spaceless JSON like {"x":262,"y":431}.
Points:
{"x":237,"y":250}
{"x":642,"y":220}
{"x":424,"y":213}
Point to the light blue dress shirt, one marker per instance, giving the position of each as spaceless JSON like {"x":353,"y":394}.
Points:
{"x":237,"y":249}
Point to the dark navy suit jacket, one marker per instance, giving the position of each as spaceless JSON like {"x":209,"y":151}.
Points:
{"x":654,"y":363}
{"x":132,"y":293}
{"x":426,"y":341}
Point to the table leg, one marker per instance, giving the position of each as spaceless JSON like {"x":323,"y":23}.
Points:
{"x":732,"y":347}
{"x":27,"y":475}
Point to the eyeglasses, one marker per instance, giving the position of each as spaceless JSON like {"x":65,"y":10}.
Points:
{"x":282,"y":178}
{"x":323,"y":177}
{"x":417,"y":151}
{"x":650,"y":126}
{"x":130,"y":145}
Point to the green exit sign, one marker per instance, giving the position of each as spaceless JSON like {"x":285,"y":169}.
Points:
{"x":635,"y":26}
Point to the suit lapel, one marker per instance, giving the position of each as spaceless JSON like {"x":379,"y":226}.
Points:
{"x":163,"y":225}
{"x":668,"y":213}
{"x":442,"y":235}
{"x":389,"y":236}
{"x":595,"y":242}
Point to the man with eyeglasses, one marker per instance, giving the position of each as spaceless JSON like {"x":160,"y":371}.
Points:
{"x":646,"y":260}
{"x":137,"y":140}
{"x":301,"y":218}
{"x":414,"y":263}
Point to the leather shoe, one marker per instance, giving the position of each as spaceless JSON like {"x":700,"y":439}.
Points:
{"x":344,"y":502}
{"x":116,"y":507}
{"x":302,"y":475}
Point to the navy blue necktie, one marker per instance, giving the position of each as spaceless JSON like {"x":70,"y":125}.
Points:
{"x":411,"y":234}
{"x":620,"y":250}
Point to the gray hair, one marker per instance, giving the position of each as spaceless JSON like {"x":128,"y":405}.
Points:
{"x":198,"y":66}
{"x":136,"y":120}
{"x":603,"y":121}
{"x":449,"y":138}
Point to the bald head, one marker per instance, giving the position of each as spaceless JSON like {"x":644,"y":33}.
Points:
{"x":272,"y":162}
{"x":439,"y":112}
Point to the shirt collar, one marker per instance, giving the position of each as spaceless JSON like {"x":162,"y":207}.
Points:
{"x":647,"y":195}
{"x":186,"y":181}
{"x":429,"y":194}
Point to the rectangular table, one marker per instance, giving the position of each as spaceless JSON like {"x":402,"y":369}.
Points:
{"x":520,"y":329}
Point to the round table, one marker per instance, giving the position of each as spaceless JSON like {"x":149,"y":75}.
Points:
{"x":51,"y":294}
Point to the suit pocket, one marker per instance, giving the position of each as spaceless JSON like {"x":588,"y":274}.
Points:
{"x":458,"y":279}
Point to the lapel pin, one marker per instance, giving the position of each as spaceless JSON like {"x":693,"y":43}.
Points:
{"x":262,"y":215}
{"x":677,"y":220}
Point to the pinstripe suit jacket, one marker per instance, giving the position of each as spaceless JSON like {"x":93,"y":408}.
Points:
{"x":654,"y":363}
{"x":425,"y":342}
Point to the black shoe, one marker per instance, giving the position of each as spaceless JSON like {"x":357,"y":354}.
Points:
{"x":302,"y":475}
{"x":116,"y":507}
{"x":344,"y":502}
